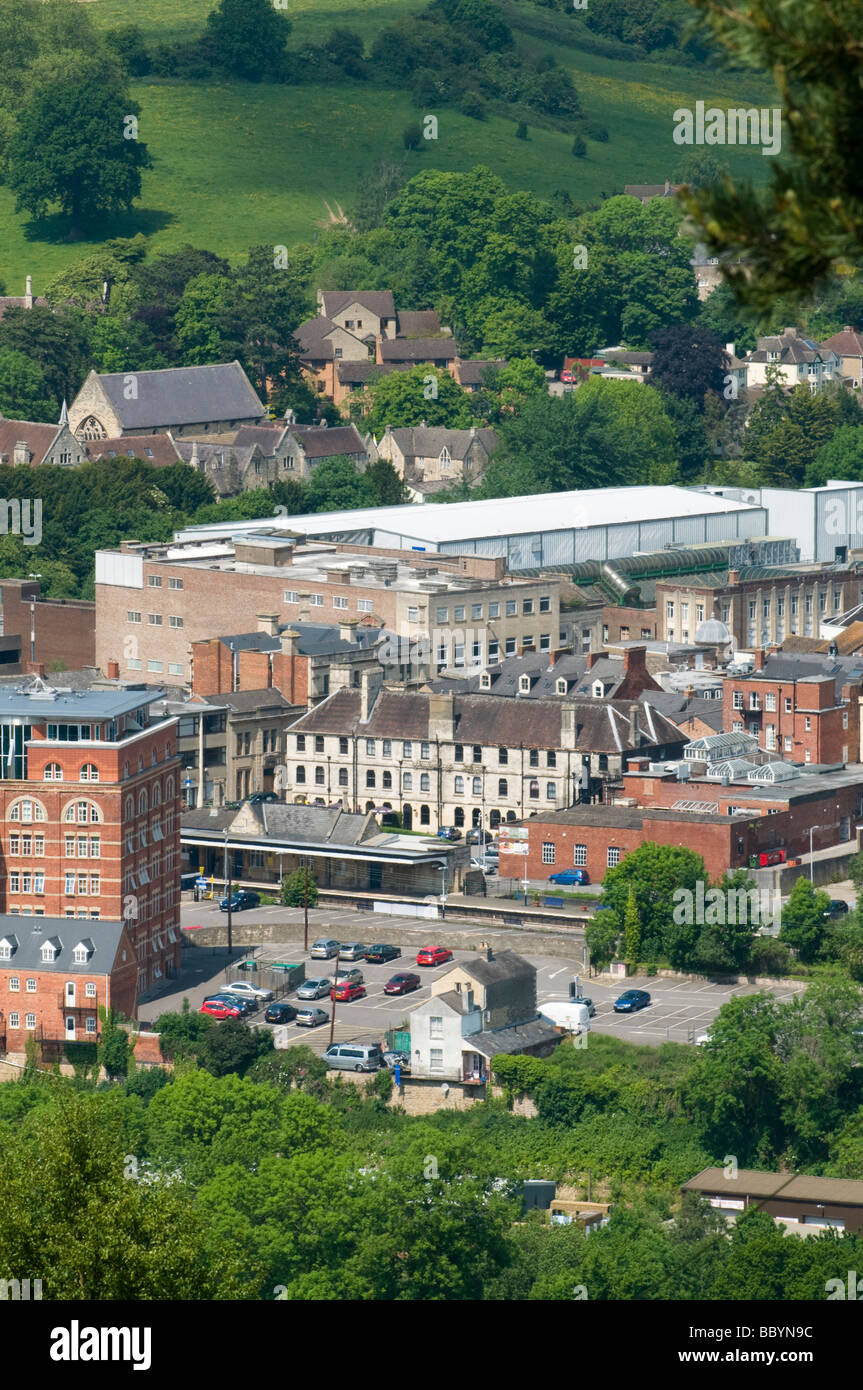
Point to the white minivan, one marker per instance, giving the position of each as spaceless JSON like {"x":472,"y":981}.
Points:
{"x":355,"y":1056}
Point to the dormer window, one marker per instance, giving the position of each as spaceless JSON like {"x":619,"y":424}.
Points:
{"x":83,"y":952}
{"x":8,"y":947}
{"x":524,"y":685}
{"x":598,"y":690}
{"x":49,"y":952}
{"x":560,"y":686}
{"x":485,"y":681}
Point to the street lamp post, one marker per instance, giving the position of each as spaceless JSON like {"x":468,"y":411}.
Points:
{"x":333,"y":998}
{"x":443,"y":891}
{"x":811,"y":852}
{"x":228,"y":891}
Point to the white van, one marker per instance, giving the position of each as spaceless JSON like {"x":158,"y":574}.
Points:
{"x":355,"y":1056}
{"x":568,"y":1014}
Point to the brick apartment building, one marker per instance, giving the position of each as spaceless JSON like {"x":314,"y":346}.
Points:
{"x":153,"y":601}
{"x":304,"y":661}
{"x":805,"y":707}
{"x":719,"y":801}
{"x":760,"y":606}
{"x":37,"y":631}
{"x":55,"y":975}
{"x":229,"y":745}
{"x":89,"y":800}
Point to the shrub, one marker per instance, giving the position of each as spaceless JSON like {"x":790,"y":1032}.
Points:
{"x":521,"y":131}
{"x":412,"y":136}
{"x":769,"y":956}
{"x":594,"y":131}
{"x":579,"y":148}
{"x":295,"y":886}
{"x":472,"y":105}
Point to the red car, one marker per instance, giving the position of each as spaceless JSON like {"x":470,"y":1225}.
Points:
{"x":402,"y":984}
{"x":216,"y":1009}
{"x":567,"y":377}
{"x":433,"y":955}
{"x":347,"y":991}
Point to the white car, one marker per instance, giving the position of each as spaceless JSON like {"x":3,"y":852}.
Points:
{"x":247,"y":991}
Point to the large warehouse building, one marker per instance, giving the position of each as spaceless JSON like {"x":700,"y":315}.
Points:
{"x":826,"y":522}
{"x":548,"y":529}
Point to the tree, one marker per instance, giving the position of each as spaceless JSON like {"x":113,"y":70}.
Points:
{"x":412,"y":136}
{"x":181,"y":1033}
{"x":803,"y":919}
{"x":232,"y":1047}
{"x":424,"y":393}
{"x":127,"y":41}
{"x":840,"y":457}
{"x":384,"y":484}
{"x":653,"y":873}
{"x":809,"y":219}
{"x":631,"y":929}
{"x":71,"y":148}
{"x":344,"y":47}
{"x":725,"y":945}
{"x":579,"y":147}
{"x":688,"y":361}
{"x":601,"y":935}
{"x":299,"y":886}
{"x":248,"y":38}
{"x":57,"y":341}
{"x":292,"y":1068}
{"x":24,"y":393}
{"x":336,"y":485}
{"x":115,"y":1046}
{"x":521,"y":131}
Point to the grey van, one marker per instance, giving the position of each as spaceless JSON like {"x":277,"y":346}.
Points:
{"x":355,"y":1056}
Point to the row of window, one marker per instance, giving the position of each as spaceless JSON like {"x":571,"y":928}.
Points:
{"x":528,"y":606}
{"x":175,"y":668}
{"x":447,"y":654}
{"x":475,"y":751}
{"x":155,"y":582}
{"x":459,"y":783}
{"x":579,"y":855}
{"x":31,"y":986}
{"x":154,"y":619}
{"x":89,"y":772}
{"x":30,"y":1022}
{"x":27,"y":881}
{"x":752,"y":605}
{"x":93,"y":913}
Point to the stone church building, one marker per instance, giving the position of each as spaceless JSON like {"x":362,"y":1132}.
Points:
{"x":213,"y":400}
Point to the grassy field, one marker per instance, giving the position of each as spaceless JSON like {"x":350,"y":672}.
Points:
{"x":239,"y":164}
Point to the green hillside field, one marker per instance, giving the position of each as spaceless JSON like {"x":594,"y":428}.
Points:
{"x":237,"y":164}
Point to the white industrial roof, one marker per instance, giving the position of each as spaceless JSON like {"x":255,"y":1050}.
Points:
{"x":504,"y":516}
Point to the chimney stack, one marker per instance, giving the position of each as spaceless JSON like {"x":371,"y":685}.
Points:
{"x":592,"y":658}
{"x":21,"y":452}
{"x":370,"y":685}
{"x":288,"y":640}
{"x":28,"y":293}
{"x":634,"y":659}
{"x":733,"y":577}
{"x":268,"y":623}
{"x":348,"y":629}
{"x":634,"y":730}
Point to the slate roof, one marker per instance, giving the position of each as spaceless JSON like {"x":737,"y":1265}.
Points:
{"x":790,"y":347}
{"x":602,"y":725}
{"x":358,"y":373}
{"x":267,"y":437}
{"x":428,"y":442}
{"x":378,"y":302}
{"x":798,"y":666}
{"x":421,"y":323}
{"x":319,"y":442}
{"x":183,"y":396}
{"x":848,"y":343}
{"x":33,"y":932}
{"x":316,"y":639}
{"x":418,"y":349}
{"x":512,"y":1040}
{"x":471,"y":373}
{"x":504,"y":965}
{"x":311,"y":338}
{"x":250,"y":701}
{"x":314,"y":823}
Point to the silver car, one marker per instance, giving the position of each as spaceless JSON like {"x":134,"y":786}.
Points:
{"x":353,"y":950}
{"x":315,"y":989}
{"x":353,"y":977}
{"x":247,"y":991}
{"x":325,"y":948}
{"x":311,"y":1018}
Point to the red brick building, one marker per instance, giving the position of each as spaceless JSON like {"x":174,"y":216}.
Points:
{"x":38,"y":631}
{"x":55,"y":975}
{"x":89,"y":815}
{"x":803,"y":707}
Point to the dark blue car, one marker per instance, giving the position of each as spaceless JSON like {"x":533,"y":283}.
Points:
{"x":570,"y":876}
{"x":630,"y":1000}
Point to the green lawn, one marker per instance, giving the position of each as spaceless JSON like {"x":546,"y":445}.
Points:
{"x":239,"y":164}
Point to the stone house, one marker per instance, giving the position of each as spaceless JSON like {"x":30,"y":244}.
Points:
{"x":848,"y":346}
{"x":430,"y":459}
{"x":294,"y":451}
{"x":185,"y":400}
{"x":799,"y":361}
{"x":20,"y":301}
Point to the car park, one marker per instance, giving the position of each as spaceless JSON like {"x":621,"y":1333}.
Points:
{"x":325,"y":948}
{"x":379,"y":955}
{"x":317,"y":988}
{"x":240,"y":901}
{"x":403,"y":983}
{"x":220,"y":1009}
{"x":354,"y":977}
{"x":248,"y":991}
{"x":570,"y":876}
{"x":354,"y":1056}
{"x":311,"y":1018}
{"x":630,"y":1000}
{"x":353,"y":950}
{"x":346,"y":992}
{"x":433,"y":955}
{"x":280,"y":1013}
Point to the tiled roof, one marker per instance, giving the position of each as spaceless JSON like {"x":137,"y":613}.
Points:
{"x":378,"y":302}
{"x":183,"y":396}
{"x":422,"y":323}
{"x":512,"y":1040}
{"x":158,"y":449}
{"x":471,"y":373}
{"x":428,"y":442}
{"x":36,"y":436}
{"x":32,"y":933}
{"x":325,"y":442}
{"x":419,"y":349}
{"x":504,"y":965}
{"x":16,"y":301}
{"x":848,"y":343}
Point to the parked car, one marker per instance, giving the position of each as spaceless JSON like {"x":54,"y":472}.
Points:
{"x":353,"y":950}
{"x":567,"y":378}
{"x":347,"y":991}
{"x":397,"y":1059}
{"x":630,"y":1000}
{"x":311,"y":1018}
{"x":583,"y":999}
{"x":479,"y":837}
{"x":838,"y":907}
{"x":236,"y":1001}
{"x":433,"y":955}
{"x":221,"y":1009}
{"x":249,"y":991}
{"x":280,"y":1013}
{"x":449,"y":832}
{"x":488,"y":866}
{"x":314,"y":989}
{"x":325,"y":948}
{"x":379,"y":955}
{"x":570,"y":876}
{"x":240,"y":901}
{"x":354,"y":977}
{"x":258,"y":797}
{"x":355,"y":1056}
{"x":402,"y":983}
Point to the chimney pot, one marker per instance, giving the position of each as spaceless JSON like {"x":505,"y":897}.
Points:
{"x":268,"y":623}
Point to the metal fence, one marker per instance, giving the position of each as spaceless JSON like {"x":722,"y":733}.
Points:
{"x":265,"y":975}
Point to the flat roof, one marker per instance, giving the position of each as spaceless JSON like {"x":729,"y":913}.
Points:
{"x":503,"y":516}
{"x":74,"y":706}
{"x":787,"y":1186}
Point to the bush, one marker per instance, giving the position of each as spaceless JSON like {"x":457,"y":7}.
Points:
{"x":412,"y":136}
{"x":579,"y":148}
{"x":769,"y":956}
{"x":383,"y":1084}
{"x":594,"y":131}
{"x":521,"y":131}
{"x":128,"y":43}
{"x":295,"y":886}
{"x":472,"y":105}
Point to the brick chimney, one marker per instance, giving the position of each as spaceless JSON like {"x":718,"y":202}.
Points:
{"x":268,"y":623}
{"x":634,"y":728}
{"x":592,"y":658}
{"x":634,"y":659}
{"x":113,"y":671}
{"x":759,"y":659}
{"x":554,"y":657}
{"x":733,"y":577}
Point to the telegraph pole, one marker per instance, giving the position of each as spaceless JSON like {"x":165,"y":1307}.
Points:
{"x":332,"y":1000}
{"x":305,"y":904}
